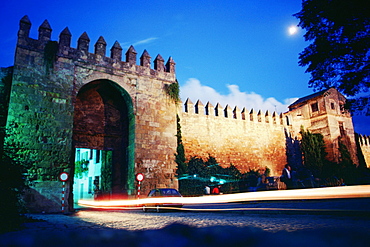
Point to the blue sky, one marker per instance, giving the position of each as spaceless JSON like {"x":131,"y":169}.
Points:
{"x":229,"y":52}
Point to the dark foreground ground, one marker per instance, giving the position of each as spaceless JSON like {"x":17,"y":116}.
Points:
{"x":183,"y":235}
{"x":68,"y":230}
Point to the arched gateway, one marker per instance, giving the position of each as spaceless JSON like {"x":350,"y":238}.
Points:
{"x":102,"y":134}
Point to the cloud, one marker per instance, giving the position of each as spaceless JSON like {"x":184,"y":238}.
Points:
{"x":145,"y":41}
{"x":194,"y":90}
{"x":126,"y":45}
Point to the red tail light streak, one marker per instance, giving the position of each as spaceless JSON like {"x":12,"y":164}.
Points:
{"x":358,"y":191}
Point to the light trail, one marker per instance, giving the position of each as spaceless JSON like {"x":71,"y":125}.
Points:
{"x":357,"y":191}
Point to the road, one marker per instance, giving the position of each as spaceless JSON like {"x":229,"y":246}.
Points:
{"x":271,"y":217}
{"x":342,"y":222}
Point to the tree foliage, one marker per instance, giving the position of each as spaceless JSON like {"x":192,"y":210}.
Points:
{"x":201,"y":172}
{"x":12,"y":184}
{"x":180,"y":152}
{"x":338,"y":55}
{"x":313,"y":149}
{"x":173,"y":90}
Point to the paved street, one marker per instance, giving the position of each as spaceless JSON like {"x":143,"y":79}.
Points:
{"x":262,"y":223}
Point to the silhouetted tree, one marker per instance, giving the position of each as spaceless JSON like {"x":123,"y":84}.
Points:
{"x":12,"y":185}
{"x":339,"y":53}
{"x":313,"y":149}
{"x":180,"y":152}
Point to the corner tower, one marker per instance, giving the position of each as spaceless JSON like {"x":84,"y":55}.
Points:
{"x":323,"y":112}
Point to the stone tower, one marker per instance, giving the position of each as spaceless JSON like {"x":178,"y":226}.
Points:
{"x":323,"y":112}
{"x":63,"y":98}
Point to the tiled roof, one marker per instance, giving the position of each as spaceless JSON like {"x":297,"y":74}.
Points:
{"x":311,"y":96}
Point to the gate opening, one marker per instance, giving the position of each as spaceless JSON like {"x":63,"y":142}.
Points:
{"x":103,"y":138}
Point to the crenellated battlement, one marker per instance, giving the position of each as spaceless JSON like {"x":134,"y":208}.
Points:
{"x":98,"y":58}
{"x":364,"y":140}
{"x":234,"y":113}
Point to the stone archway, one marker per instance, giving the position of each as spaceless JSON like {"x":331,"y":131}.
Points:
{"x":103,"y":120}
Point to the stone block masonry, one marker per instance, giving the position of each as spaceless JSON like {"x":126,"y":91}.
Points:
{"x":63,"y":98}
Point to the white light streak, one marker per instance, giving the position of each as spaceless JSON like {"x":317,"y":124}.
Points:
{"x":357,"y":191}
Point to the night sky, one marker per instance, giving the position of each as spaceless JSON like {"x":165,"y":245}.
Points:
{"x":241,"y":53}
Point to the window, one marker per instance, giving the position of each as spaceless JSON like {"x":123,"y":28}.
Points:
{"x":97,"y":156}
{"x":78,"y":154}
{"x":90,"y":188}
{"x":342,"y":109}
{"x":314,"y":107}
{"x":332,"y":106}
{"x":341,"y":129}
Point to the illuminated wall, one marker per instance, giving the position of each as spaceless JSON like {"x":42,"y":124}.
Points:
{"x":48,"y":119}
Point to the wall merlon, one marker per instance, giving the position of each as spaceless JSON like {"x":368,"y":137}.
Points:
{"x":227,"y":112}
{"x":159,"y":63}
{"x":116,"y":52}
{"x":131,"y":55}
{"x":267,"y":117}
{"x":218,"y":110}
{"x":170,"y":65}
{"x":100,"y":46}
{"x":65,"y":38}
{"x":45,"y":31}
{"x":243,"y":113}
{"x":275,"y":118}
{"x":83,"y":42}
{"x":236,"y":113}
{"x":189,"y":106}
{"x":260,"y":117}
{"x":24,"y":27}
{"x":208,"y":108}
{"x":145,"y":59}
{"x":253,"y":116}
{"x":198,"y":107}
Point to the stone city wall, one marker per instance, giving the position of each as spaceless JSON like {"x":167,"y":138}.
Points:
{"x":246,"y":139}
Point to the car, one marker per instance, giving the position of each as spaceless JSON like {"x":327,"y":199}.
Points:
{"x":162,"y":192}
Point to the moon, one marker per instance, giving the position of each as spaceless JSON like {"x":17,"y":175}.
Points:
{"x":292,"y":30}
